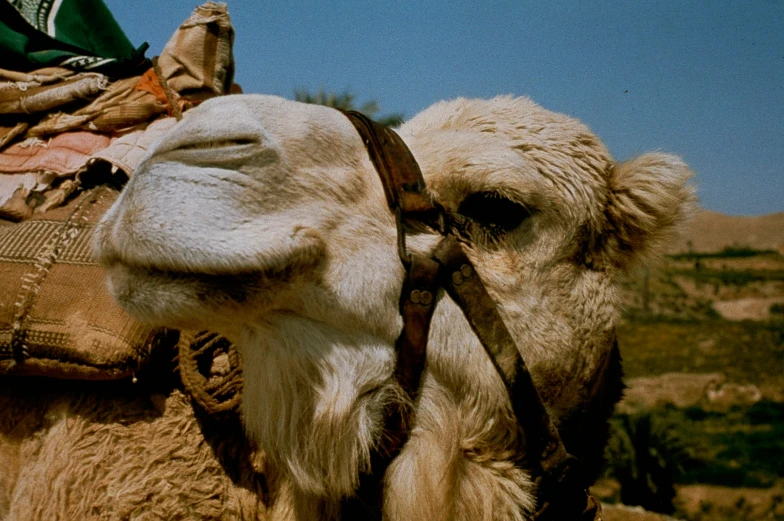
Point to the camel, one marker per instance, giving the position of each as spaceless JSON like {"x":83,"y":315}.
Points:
{"x":263,"y":219}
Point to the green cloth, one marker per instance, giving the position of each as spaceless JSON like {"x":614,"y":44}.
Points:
{"x":78,"y":34}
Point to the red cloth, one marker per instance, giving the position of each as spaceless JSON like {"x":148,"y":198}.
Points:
{"x":63,"y":154}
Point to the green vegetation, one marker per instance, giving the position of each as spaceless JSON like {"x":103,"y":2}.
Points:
{"x":346,"y":101}
{"x":647,"y":456}
{"x":685,"y":287}
{"x":747,"y":352}
{"x":740,"y":448}
{"x":670,"y":325}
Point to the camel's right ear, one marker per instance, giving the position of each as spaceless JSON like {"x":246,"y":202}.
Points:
{"x":649,"y":198}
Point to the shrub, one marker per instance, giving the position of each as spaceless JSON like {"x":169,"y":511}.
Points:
{"x":647,"y":458}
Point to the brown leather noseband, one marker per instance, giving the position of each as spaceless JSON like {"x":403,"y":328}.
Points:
{"x":561,"y":487}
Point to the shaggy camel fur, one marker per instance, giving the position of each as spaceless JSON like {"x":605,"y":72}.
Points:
{"x":264,"y":219}
{"x":71,"y":451}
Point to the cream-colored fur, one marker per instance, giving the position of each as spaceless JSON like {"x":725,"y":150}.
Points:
{"x":109,"y":451}
{"x":264,"y":219}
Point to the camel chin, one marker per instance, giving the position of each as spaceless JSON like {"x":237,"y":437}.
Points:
{"x":187,"y":300}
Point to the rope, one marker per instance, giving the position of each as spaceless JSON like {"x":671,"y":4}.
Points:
{"x":170,"y":96}
{"x":214,"y":393}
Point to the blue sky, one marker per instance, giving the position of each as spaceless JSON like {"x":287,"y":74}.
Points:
{"x":704,"y":80}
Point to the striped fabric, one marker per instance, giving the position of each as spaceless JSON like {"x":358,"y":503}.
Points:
{"x":57,"y":318}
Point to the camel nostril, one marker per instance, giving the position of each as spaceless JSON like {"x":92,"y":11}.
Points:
{"x":221,"y":143}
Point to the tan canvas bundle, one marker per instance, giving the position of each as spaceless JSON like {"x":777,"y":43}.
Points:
{"x":57,"y":318}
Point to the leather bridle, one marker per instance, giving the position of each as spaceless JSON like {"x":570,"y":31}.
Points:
{"x":561,"y":486}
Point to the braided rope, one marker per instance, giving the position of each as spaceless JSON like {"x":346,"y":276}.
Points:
{"x":214,"y":393}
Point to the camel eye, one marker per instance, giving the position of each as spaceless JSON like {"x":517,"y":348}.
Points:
{"x":493,"y":211}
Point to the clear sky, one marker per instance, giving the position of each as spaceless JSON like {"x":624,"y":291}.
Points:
{"x":702,"y":79}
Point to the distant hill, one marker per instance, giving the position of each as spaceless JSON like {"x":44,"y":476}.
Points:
{"x":713,"y":231}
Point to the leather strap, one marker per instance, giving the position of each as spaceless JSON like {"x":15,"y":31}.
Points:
{"x":558,"y":474}
{"x":417,"y":302}
{"x":403,"y":183}
{"x":470,"y":294}
{"x":404,"y":186}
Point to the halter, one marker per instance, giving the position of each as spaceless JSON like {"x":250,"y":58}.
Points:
{"x":561,"y":486}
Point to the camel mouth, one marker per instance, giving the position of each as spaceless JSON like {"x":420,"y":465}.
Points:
{"x":236,"y":285}
{"x":111,"y":259}
{"x":194,"y":284}
{"x":229,"y":278}
{"x":186,"y":299}
{"x":219,"y":228}
{"x":297,"y":250}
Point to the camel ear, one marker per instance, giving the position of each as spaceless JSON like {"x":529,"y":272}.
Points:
{"x":648,"y":202}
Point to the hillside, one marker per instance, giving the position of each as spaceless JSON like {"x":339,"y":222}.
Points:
{"x":712,"y":231}
{"x":699,"y":432}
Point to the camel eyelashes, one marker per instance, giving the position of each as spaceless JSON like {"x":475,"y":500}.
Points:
{"x":493,"y":211}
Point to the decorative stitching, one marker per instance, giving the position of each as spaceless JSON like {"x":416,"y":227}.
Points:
{"x":32,"y":281}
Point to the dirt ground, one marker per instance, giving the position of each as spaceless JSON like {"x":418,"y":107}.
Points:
{"x":714,"y":503}
{"x":625,"y":513}
{"x":747,"y":308}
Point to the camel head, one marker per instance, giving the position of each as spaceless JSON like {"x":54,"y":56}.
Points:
{"x":264,"y":219}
